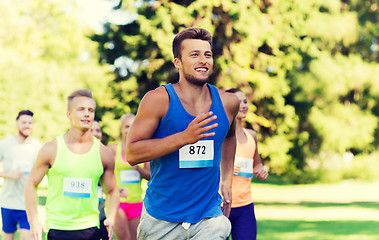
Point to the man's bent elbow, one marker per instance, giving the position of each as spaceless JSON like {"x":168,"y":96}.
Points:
{"x":136,"y":155}
{"x":131,"y":158}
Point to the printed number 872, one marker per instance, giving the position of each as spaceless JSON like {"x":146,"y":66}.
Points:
{"x":197,"y":150}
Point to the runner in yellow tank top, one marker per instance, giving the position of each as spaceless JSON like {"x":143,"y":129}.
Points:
{"x":129,"y":182}
{"x":246,"y":163}
{"x":74,"y":163}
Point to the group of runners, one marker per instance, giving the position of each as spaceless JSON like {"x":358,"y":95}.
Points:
{"x":187,"y":139}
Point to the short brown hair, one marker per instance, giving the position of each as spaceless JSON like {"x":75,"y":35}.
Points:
{"x":189,"y":33}
{"x":24,"y":112}
{"x":79,"y":93}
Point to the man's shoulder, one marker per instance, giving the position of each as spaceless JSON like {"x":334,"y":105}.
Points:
{"x":157,"y":92}
{"x":156,"y":99}
{"x":7,"y":141}
{"x":107,"y":154}
{"x":227,"y":95}
{"x":4,"y":144}
{"x":113,"y":146}
{"x":9,"y":138}
{"x":50,"y":146}
{"x":230,"y":100}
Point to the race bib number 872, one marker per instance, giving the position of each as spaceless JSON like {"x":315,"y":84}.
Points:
{"x":197,"y":155}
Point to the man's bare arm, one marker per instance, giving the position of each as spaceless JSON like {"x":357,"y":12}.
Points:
{"x":15,"y":174}
{"x":227,"y":164}
{"x":152,"y":109}
{"x":43,"y":163}
{"x":108,"y":182}
{"x":259,"y":170}
{"x":231,"y":106}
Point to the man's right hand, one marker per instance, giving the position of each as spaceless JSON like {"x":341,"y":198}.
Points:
{"x":36,"y":230}
{"x":196,"y":129}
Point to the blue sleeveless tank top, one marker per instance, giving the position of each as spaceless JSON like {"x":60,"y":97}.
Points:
{"x":186,"y":193}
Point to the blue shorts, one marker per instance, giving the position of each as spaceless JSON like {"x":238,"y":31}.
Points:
{"x":244,"y":225}
{"x":11,"y":218}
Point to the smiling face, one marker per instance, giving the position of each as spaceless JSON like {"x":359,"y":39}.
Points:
{"x":25,"y":125}
{"x":81,"y":113}
{"x":196,"y":63}
{"x":244,"y":106}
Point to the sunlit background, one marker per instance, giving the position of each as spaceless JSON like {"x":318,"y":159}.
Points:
{"x":310,"y":70}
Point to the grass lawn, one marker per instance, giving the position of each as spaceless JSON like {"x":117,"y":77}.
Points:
{"x":347,"y":210}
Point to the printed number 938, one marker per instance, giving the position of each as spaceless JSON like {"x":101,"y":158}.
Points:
{"x":77,"y":184}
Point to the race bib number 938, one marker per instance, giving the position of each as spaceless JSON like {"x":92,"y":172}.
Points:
{"x":77,"y":187}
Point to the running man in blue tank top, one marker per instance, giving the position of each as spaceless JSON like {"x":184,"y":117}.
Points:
{"x":186,"y":131}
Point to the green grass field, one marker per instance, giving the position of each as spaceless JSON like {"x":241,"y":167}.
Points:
{"x":348,"y":211}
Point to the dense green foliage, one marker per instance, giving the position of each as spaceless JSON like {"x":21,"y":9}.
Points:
{"x":46,"y":55}
{"x":308,"y":67}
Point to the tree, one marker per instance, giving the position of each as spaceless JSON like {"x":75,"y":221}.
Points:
{"x":297,"y":61}
{"x":46,"y":56}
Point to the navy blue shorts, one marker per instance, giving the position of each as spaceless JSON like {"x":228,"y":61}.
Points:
{"x":83,"y":234}
{"x":103,"y":230}
{"x":11,"y":218}
{"x":244,"y":224}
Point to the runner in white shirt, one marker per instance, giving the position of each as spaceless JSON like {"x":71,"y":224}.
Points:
{"x":17,"y":156}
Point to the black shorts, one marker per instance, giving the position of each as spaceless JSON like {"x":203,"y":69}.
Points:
{"x":84,"y":234}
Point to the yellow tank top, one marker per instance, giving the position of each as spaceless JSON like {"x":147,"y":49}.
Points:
{"x":127,"y":177}
{"x":72,"y":202}
{"x":241,"y":187}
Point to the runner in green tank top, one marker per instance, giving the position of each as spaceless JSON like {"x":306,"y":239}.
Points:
{"x":74,"y":162}
{"x":129,"y":183}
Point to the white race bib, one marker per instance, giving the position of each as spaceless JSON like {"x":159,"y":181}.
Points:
{"x":246,"y":166}
{"x":77,"y":187}
{"x":130,"y":177}
{"x":197,"y":155}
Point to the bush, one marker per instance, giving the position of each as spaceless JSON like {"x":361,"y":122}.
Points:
{"x":364,"y":167}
